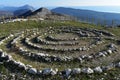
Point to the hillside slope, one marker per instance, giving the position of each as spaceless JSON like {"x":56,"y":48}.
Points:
{"x":89,"y":15}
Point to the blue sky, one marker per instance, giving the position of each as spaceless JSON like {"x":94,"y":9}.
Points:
{"x":107,"y":5}
{"x":39,"y":3}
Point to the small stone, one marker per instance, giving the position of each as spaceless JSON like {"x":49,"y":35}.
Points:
{"x":32,"y":71}
{"x":66,"y":73}
{"x":118,"y":65}
{"x":112,"y":45}
{"x":54,"y":72}
{"x":76,"y":71}
{"x":87,"y":71}
{"x":21,"y":65}
{"x":46,"y":71}
{"x":98,"y":69}
{"x":39,"y":72}
{"x":109,"y":51}
{"x":101,"y":54}
{"x":109,"y":67}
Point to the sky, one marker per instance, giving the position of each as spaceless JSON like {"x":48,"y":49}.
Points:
{"x":107,"y":5}
{"x":38,"y":3}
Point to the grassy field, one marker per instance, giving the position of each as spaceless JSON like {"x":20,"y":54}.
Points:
{"x":6,"y":29}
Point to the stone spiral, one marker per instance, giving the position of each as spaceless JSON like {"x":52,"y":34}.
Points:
{"x":60,"y":45}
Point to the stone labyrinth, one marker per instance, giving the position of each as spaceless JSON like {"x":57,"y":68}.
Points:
{"x":62,"y":51}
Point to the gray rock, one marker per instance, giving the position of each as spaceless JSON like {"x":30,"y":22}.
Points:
{"x":87,"y":70}
{"x":67,"y":73}
{"x":118,"y":65}
{"x":101,"y":54}
{"x":109,"y":67}
{"x":104,"y":52}
{"x":54,"y":72}
{"x":39,"y":72}
{"x":47,"y":71}
{"x":112,"y":45}
{"x":32,"y":71}
{"x":76,"y":71}
{"x":80,"y":59}
{"x":98,"y":69}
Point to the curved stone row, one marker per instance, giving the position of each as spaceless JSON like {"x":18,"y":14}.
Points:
{"x":112,"y":48}
{"x":83,"y":48}
{"x":84,"y":32}
{"x":9,"y":62}
{"x":6,"y":38}
{"x":56,"y":39}
{"x":43,"y":41}
{"x":12,"y":64}
{"x":49,"y":58}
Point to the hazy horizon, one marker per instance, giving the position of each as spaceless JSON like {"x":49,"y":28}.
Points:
{"x":112,"y":6}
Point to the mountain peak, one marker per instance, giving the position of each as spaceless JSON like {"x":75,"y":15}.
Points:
{"x":27,"y":7}
{"x":43,"y":11}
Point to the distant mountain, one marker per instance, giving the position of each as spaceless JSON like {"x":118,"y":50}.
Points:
{"x":90,"y":16}
{"x":25,"y":14}
{"x":46,"y":14}
{"x":12,"y":9}
{"x":15,"y":11}
{"x":5,"y":14}
{"x":21,"y":11}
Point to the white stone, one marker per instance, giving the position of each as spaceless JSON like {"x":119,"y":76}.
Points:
{"x":98,"y":69}
{"x":21,"y":65}
{"x":76,"y":71}
{"x":41,"y":54}
{"x":101,"y":54}
{"x":54,"y":72}
{"x":87,"y":71}
{"x":9,"y":57}
{"x":109,"y":51}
